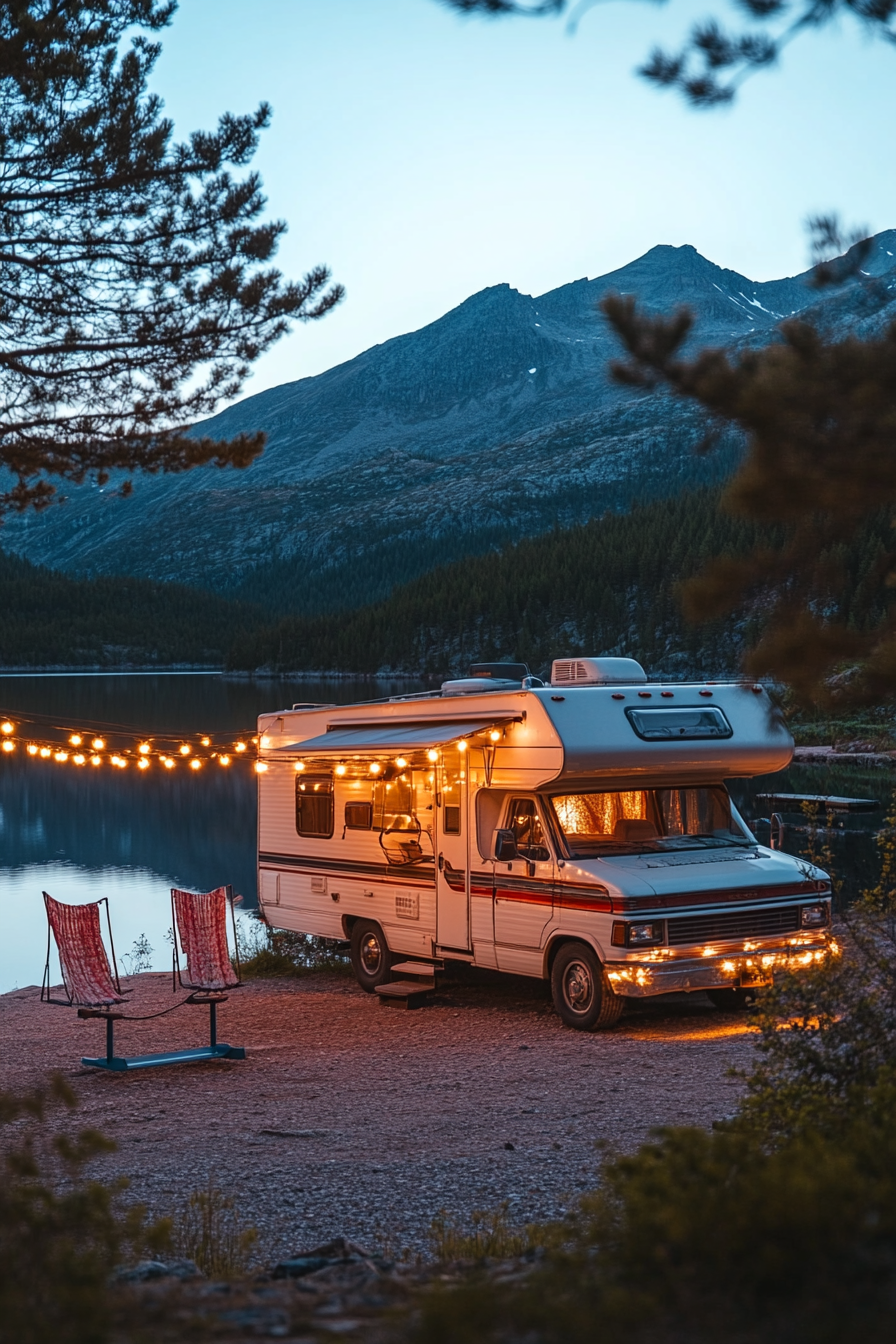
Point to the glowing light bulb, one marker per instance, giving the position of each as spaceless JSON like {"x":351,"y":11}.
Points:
{"x":240,"y":746}
{"x":32,"y":749}
{"x":75,"y":739}
{"x":195,"y":765}
{"x":375,"y":768}
{"x":184,"y":749}
{"x":461,"y":746}
{"x":144,"y":748}
{"x":169,"y":764}
{"x":6,"y":727}
{"x":400,"y":762}
{"x":9,"y":746}
{"x":143,"y":763}
{"x":340,"y":769}
{"x":300,"y":766}
{"x":96,"y":760}
{"x":45,"y":752}
{"x":223,"y":760}
{"x":97,"y":744}
{"x":79,"y":759}
{"x":265,"y":740}
{"x":495,"y":735}
{"x":206,"y":741}
{"x":60,"y":756}
{"x":260,"y":767}
{"x":432,"y":756}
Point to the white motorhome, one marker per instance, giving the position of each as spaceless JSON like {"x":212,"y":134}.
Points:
{"x":580,"y":832}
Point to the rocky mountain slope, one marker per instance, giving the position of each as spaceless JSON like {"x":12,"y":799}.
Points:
{"x":494,"y":422}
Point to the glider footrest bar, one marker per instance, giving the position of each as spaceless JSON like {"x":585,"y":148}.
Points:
{"x":118,"y":1064}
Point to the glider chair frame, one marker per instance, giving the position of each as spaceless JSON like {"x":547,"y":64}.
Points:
{"x":92,"y":983}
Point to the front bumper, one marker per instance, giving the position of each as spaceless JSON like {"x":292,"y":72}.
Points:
{"x":663,"y":971}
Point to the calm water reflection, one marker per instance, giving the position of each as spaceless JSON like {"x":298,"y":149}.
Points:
{"x":81,"y":834}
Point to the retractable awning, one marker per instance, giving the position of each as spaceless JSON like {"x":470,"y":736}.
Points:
{"x":383,"y":737}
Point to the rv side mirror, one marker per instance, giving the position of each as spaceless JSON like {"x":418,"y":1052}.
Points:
{"x":505,"y":846}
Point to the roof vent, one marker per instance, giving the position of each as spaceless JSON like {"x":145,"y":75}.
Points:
{"x":479,"y":685}
{"x":596,"y":672}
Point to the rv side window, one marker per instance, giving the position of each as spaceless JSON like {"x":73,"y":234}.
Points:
{"x":393,"y":805}
{"x":524,"y":821}
{"x":314,"y":805}
{"x":359,"y":816}
{"x":679,"y":725}
{"x":451,"y":821}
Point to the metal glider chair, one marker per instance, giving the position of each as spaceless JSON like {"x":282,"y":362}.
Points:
{"x":92,"y":984}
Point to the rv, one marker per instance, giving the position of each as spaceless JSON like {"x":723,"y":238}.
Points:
{"x":580,"y":832}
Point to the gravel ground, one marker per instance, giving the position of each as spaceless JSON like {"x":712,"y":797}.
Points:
{"x":352,"y":1118}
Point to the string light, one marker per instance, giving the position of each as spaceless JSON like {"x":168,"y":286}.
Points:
{"x":461,"y":746}
{"x":340,"y":769}
{"x":432,"y":756}
{"x":400,"y":762}
{"x":300,"y":766}
{"x":375,"y":767}
{"x":495,"y":735}
{"x":139,"y":752}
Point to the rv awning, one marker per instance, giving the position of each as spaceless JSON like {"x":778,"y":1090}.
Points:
{"x":391,"y":737}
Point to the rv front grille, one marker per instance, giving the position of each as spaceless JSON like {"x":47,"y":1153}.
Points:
{"x":738,"y":924}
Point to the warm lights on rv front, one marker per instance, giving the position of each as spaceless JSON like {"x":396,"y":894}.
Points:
{"x":461,"y":746}
{"x":432,"y":756}
{"x":400,"y":762}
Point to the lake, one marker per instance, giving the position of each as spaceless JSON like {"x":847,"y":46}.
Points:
{"x":82,"y":833}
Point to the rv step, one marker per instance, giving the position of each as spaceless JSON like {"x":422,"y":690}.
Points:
{"x":405,"y":993}
{"x":454,"y":954}
{"x":416,"y":968}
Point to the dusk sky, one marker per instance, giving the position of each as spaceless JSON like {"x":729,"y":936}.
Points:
{"x":423,"y":156}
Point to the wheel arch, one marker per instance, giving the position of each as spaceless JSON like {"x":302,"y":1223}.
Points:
{"x":562,"y":939}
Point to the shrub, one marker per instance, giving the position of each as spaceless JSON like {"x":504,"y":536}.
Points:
{"x":60,"y":1234}
{"x":210,"y":1232}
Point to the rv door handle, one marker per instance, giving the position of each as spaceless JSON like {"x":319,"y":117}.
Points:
{"x":441,"y":863}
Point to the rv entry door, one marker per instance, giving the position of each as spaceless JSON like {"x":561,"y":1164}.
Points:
{"x":453,"y":858}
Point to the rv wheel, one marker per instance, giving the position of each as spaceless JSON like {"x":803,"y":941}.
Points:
{"x":582,"y":997}
{"x":731,"y":1000}
{"x":371,"y":958}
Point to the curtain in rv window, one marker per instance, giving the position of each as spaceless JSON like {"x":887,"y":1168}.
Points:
{"x":314,"y":805}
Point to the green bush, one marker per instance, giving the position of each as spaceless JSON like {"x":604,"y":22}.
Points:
{"x":60,"y":1233}
{"x":279,"y":952}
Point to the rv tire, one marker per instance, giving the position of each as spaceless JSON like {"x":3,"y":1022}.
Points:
{"x":371,"y":959}
{"x":731,"y":1000}
{"x":582,"y":997}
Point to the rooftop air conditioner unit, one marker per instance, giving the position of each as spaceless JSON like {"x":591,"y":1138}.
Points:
{"x":596,"y":672}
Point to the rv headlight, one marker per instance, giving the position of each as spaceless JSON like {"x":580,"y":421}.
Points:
{"x":640,"y":935}
{"x":814,"y":916}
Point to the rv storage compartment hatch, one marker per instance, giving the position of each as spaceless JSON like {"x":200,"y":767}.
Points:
{"x":596,"y":672}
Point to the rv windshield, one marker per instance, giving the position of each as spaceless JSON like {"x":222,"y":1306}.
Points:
{"x":640,"y":820}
